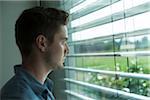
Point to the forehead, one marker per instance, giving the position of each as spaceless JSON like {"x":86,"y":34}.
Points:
{"x":63,"y":31}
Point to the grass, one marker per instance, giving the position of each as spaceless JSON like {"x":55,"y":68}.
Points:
{"x":110,"y":63}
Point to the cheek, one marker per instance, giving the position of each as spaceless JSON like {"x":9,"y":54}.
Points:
{"x":58,"y":50}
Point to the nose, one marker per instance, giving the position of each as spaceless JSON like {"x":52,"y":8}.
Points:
{"x":66,"y":49}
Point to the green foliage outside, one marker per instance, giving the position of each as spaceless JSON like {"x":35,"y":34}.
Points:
{"x":123,"y":64}
{"x":132,"y":64}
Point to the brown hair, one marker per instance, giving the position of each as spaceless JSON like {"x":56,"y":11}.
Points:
{"x":35,"y":21}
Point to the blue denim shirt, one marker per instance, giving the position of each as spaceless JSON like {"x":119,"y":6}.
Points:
{"x":23,"y":86}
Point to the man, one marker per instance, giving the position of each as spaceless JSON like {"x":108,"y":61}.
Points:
{"x":41,"y":36}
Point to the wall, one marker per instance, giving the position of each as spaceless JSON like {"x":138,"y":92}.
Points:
{"x":9,"y":53}
{"x":52,"y":3}
{"x":0,"y":46}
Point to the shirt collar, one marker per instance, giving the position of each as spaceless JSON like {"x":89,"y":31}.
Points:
{"x":36,"y":86}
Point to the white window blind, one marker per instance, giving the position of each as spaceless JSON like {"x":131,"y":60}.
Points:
{"x":109,"y":55}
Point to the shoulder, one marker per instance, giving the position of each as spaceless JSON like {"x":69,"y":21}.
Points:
{"x":14,"y":84}
{"x":16,"y":89}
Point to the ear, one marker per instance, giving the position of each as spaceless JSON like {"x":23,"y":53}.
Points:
{"x":42,"y":43}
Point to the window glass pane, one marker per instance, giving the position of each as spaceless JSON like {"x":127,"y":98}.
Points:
{"x":92,"y":16}
{"x":142,"y":24}
{"x":117,"y":7}
{"x":125,"y":25}
{"x":110,"y":50}
{"x":139,"y":2}
{"x":98,"y":31}
{"x":83,"y":5}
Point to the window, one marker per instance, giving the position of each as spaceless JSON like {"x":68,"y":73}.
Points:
{"x":110,"y":50}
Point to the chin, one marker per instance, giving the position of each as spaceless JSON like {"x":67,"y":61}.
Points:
{"x":59,"y":66}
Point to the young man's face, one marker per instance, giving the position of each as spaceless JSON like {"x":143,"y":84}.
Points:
{"x":58,"y":50}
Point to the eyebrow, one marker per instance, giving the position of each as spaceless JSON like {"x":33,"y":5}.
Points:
{"x":65,"y":38}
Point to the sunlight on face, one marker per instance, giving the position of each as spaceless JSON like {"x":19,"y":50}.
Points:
{"x":57,"y":50}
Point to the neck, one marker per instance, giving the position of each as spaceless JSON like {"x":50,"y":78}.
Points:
{"x":38,"y":69}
